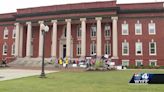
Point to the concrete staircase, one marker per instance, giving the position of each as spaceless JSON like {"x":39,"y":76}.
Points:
{"x":30,"y":62}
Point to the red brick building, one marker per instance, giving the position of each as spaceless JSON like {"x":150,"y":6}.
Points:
{"x":131,"y":34}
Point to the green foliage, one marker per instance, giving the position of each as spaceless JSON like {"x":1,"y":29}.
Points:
{"x":145,"y":67}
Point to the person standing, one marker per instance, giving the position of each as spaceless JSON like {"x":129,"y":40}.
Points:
{"x":61,"y":62}
{"x":66,"y":62}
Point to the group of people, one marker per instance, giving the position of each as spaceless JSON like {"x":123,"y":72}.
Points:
{"x":87,"y":62}
{"x":62,"y":62}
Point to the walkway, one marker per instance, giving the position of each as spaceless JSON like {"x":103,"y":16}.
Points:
{"x":8,"y":74}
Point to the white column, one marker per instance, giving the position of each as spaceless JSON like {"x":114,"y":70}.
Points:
{"x":83,"y":37}
{"x":68,"y":38}
{"x":98,"y":36}
{"x":54,"y":39}
{"x":20,"y":41}
{"x":115,"y":38}
{"x":40,"y":39}
{"x":29,"y":35}
{"x":17,"y":39}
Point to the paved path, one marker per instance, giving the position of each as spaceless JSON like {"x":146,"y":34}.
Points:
{"x":8,"y":74}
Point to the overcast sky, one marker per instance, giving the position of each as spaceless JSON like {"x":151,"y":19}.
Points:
{"x":11,"y":5}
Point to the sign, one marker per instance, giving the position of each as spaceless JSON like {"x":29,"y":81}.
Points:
{"x":142,"y":78}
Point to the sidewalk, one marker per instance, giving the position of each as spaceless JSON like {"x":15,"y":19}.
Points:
{"x":8,"y":74}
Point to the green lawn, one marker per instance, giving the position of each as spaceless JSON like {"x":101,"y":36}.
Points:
{"x":112,"y":81}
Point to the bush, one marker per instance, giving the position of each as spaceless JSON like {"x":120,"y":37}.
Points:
{"x":161,"y":67}
{"x":145,"y":67}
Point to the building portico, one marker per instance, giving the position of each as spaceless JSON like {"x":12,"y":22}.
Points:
{"x":63,"y":41}
{"x":130,"y":34}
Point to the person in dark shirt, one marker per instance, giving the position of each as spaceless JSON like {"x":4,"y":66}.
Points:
{"x":4,"y":62}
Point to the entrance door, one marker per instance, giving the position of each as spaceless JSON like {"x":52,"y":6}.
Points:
{"x":64,"y":51}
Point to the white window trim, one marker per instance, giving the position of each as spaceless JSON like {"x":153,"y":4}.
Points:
{"x":12,"y":53}
{"x":152,"y":61}
{"x":91,"y":31}
{"x":78,"y":46}
{"x":4,"y":49}
{"x":92,"y":48}
{"x":138,"y":61}
{"x":14,"y":32}
{"x":6,"y":31}
{"x":79,"y":27}
{"x":140,"y":27}
{"x":109,"y":48}
{"x":123,"y":27}
{"x":149,"y":26}
{"x":125,"y":61}
{"x":64,"y":31}
{"x":108,"y":31}
{"x":154,"y":48}
{"x":123,"y":48}
{"x":141,"y":49}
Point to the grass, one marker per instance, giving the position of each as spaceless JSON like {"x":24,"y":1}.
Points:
{"x":112,"y":81}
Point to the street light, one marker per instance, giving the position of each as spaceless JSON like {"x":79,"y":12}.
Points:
{"x":43,"y":29}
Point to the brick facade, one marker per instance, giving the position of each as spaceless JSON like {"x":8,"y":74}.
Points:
{"x":131,"y":13}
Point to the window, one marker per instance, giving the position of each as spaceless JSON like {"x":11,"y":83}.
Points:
{"x":152,"y":48}
{"x":93,"y":48}
{"x":125,"y":48}
{"x":14,"y":33}
{"x":138,"y":28}
{"x":125,"y":62}
{"x":93,"y":31}
{"x":107,"y":31}
{"x":78,"y":31}
{"x":5,"y":35}
{"x":152,"y":29}
{"x":139,"y":63}
{"x":138,"y":48}
{"x":78,"y":49}
{"x":153,"y":63}
{"x":5,"y":47}
{"x":13,"y":49}
{"x":65,"y":31}
{"x":125,"y":29}
{"x":107,"y":48}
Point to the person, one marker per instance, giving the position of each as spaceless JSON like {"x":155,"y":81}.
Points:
{"x":87,"y":63}
{"x":4,"y":62}
{"x":56,"y":63}
{"x":66,"y":62}
{"x":61,"y":62}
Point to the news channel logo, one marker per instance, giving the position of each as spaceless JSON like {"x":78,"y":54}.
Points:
{"x":141,"y":78}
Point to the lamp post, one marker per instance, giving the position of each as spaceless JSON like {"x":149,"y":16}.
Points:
{"x":43,"y":29}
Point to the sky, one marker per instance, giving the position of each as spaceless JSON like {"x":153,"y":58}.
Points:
{"x":7,"y":6}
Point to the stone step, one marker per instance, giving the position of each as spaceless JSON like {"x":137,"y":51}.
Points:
{"x":29,"y":62}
